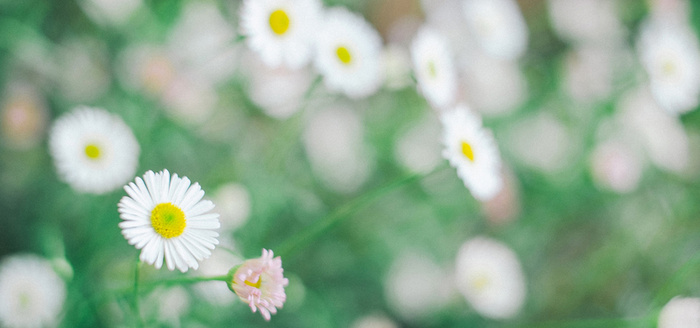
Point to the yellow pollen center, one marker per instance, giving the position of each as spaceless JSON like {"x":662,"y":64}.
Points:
{"x":279,"y":21}
{"x":480,"y":282}
{"x":467,"y":151}
{"x":168,"y":220}
{"x":343,"y":55}
{"x":669,"y":67}
{"x":92,"y":151}
{"x":254,"y":284}
{"x":432,"y":71}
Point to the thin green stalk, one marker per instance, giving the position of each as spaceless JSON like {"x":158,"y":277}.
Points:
{"x":320,"y":227}
{"x":670,"y":288}
{"x":135,"y":303}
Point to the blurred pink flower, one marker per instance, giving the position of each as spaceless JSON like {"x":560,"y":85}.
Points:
{"x":260,"y":283}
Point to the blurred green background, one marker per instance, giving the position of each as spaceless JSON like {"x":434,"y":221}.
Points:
{"x":592,"y":257}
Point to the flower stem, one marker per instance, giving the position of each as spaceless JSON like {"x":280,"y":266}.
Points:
{"x":135,"y":303}
{"x":320,"y":227}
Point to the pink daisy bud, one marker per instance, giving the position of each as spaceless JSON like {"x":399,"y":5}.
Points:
{"x":260,"y":283}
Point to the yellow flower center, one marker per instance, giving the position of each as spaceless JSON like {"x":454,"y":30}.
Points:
{"x":92,"y":151}
{"x":254,"y":284}
{"x":480,"y":282}
{"x":279,"y":21}
{"x":432,"y":71}
{"x":168,"y":220}
{"x":669,"y":67}
{"x":343,"y":55}
{"x":467,"y":151}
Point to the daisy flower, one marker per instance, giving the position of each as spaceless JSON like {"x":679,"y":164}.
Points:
{"x":31,"y":293}
{"x":432,"y":64}
{"x":167,"y":219}
{"x":471,"y":149}
{"x":498,"y":27}
{"x":680,"y":312}
{"x":281,"y":31}
{"x":94,"y":150}
{"x":260,"y":283}
{"x":489,"y":276}
{"x":671,"y":57}
{"x":348,"y":54}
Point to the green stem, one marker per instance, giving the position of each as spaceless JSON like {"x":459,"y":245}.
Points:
{"x":137,"y":310}
{"x":322,"y":226}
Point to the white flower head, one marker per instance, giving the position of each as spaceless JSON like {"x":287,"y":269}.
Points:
{"x":490,"y":277}
{"x":471,"y":149}
{"x":434,"y":69}
{"x":281,"y":31}
{"x":586,"y":21}
{"x":498,"y":26}
{"x":671,"y":57}
{"x":31,"y":293}
{"x":680,"y":312}
{"x":94,"y":150}
{"x":348,"y":54}
{"x":167,"y":219}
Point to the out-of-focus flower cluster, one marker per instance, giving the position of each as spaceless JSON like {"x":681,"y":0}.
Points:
{"x":416,"y":163}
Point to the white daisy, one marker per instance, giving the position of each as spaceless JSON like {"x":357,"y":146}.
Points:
{"x":167,"y":219}
{"x":31,"y":293}
{"x":94,"y":150}
{"x":671,"y":56}
{"x":498,"y":26}
{"x":432,"y":64}
{"x":348,"y":54}
{"x":471,"y":149}
{"x":281,"y":31}
{"x":680,"y":312}
{"x":489,"y":276}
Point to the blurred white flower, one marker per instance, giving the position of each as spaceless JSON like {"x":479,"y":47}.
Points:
{"x":433,"y":67}
{"x":588,"y":73}
{"x":418,"y":149}
{"x":31,"y":293}
{"x":415,"y":286}
{"x":82,"y":72}
{"x":233,"y":204}
{"x":680,"y":312}
{"x":278,"y":91}
{"x":281,"y":32}
{"x":167,"y":218}
{"x":586,"y":21}
{"x":505,"y":206}
{"x":333,"y":140}
{"x":662,"y":134}
{"x":109,"y":12}
{"x":23,"y":116}
{"x":374,"y":321}
{"x":471,"y":149}
{"x":498,"y":27}
{"x":146,"y":68}
{"x":202,"y":44}
{"x":170,"y":305}
{"x":617,"y":166}
{"x":94,"y":150}
{"x":489,"y":275}
{"x":670,"y":54}
{"x":190,"y":99}
{"x":397,"y":67}
{"x":447,"y":17}
{"x":218,"y":264}
{"x":348,"y":54}
{"x":260,"y":282}
{"x":492,"y":86}
{"x":543,"y":142}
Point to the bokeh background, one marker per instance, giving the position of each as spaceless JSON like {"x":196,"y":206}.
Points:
{"x":600,"y":202}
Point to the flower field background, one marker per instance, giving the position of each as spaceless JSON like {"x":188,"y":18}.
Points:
{"x":520,"y":164}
